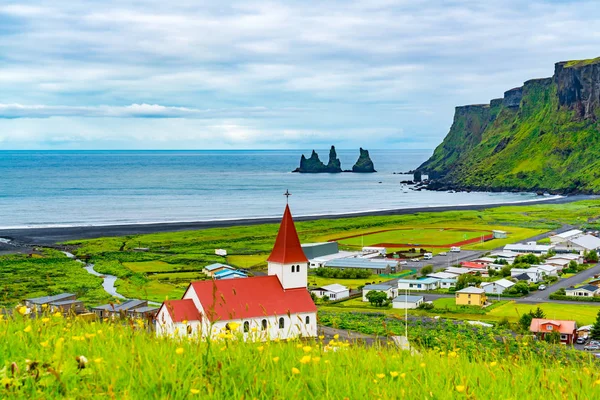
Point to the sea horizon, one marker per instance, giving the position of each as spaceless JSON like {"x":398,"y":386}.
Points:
{"x":60,"y":188}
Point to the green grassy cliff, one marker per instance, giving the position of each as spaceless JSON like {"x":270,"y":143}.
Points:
{"x":544,"y":135}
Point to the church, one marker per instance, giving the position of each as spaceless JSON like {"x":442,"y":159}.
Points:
{"x":276,"y":306}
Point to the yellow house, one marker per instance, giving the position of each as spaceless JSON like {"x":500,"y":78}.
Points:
{"x":471,"y":296}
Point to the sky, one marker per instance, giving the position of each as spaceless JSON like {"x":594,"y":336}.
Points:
{"x":190,"y":74}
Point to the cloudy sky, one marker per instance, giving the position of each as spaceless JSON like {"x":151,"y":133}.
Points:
{"x":190,"y":74}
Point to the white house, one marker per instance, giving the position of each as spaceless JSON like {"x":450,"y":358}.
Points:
{"x":497,"y":287}
{"x":558,"y":263}
{"x":581,"y":244}
{"x":258,"y":308}
{"x":547,"y":270}
{"x":447,"y":283}
{"x":496,"y":267}
{"x":418,"y":284}
{"x":535,"y":275}
{"x":565,"y":236}
{"x":333,"y":292}
{"x":459,"y":271}
{"x":403,"y":301}
{"x":390,"y":290}
{"x":442,"y":275}
{"x":499,"y":234}
{"x":583,"y":291}
{"x":529,"y":247}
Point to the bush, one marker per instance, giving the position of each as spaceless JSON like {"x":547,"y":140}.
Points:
{"x":342,"y":273}
{"x":426,"y":270}
{"x":426,"y":306}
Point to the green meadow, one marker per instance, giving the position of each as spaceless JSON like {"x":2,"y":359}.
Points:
{"x":57,"y":358}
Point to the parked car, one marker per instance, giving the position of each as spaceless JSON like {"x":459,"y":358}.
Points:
{"x":443,"y":253}
{"x":542,"y":287}
{"x":403,"y":262}
{"x":415,"y":260}
{"x":581,"y":340}
{"x":591,"y":347}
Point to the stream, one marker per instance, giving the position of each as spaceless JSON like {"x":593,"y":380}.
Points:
{"x":109,"y":280}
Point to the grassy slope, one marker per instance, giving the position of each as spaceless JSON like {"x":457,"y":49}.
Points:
{"x":127,"y":363}
{"x":545,"y":147}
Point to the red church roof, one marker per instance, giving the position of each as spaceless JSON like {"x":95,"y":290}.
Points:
{"x":287,"y":248}
{"x":182,"y":310}
{"x":254,"y":297}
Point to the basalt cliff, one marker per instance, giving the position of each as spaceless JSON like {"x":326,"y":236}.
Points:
{"x":542,"y":136}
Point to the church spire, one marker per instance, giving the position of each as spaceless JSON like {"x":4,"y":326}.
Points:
{"x":287,"y":248}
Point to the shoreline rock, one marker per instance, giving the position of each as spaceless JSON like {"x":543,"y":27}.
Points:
{"x":364,"y":164}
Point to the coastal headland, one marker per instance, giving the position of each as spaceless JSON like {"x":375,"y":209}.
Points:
{"x":47,"y":236}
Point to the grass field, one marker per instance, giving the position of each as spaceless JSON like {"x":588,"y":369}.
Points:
{"x":248,"y":261}
{"x":153,"y":266}
{"x":582,"y":313}
{"x":53,"y":358}
{"x":414,"y":236}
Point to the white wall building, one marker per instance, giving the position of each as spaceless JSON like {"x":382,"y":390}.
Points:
{"x":565,"y":236}
{"x":497,"y":287}
{"x":407,"y":302}
{"x":583,"y":291}
{"x":529,"y":247}
{"x":418,"y":284}
{"x":333,"y":292}
{"x":259,"y":308}
{"x":391,"y":291}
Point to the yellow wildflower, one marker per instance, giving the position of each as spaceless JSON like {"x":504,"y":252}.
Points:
{"x":57,"y":314}
{"x":295,"y":371}
{"x":336,"y":336}
{"x":99,"y":332}
{"x":597,"y":382}
{"x":22,"y":310}
{"x":260,"y":348}
{"x":5,"y":382}
{"x":381,"y":376}
{"x":316,"y":359}
{"x":305,"y":360}
{"x":275,"y":359}
{"x":233,"y":326}
{"x":98,"y":360}
{"x":299,"y":345}
{"x":179,"y":350}
{"x":403,"y":375}
{"x":452,"y":354}
{"x":460,"y":388}
{"x":254,"y":329}
{"x":45,"y":319}
{"x":185,"y":321}
{"x":194,"y":391}
{"x":422,"y":365}
{"x":28,"y":329}
{"x":307,"y":349}
{"x":44,"y":344}
{"x":393,"y":374}
{"x":493,"y":364}
{"x":321,"y":337}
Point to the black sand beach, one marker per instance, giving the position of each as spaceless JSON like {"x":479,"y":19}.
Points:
{"x":50,"y":236}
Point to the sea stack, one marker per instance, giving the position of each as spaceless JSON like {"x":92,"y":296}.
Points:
{"x":364,"y":163}
{"x":314,"y":165}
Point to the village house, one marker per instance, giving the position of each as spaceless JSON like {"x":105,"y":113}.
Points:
{"x":407,"y":301}
{"x":418,"y":284}
{"x":212,"y":269}
{"x":117,"y":310}
{"x":390,"y":290}
{"x":499,"y":234}
{"x":37,"y":304}
{"x":497,"y":287}
{"x":470,"y":296}
{"x":67,"y":307}
{"x":276,"y":306}
{"x":447,"y":283}
{"x":442,"y":275}
{"x":508,"y":256}
{"x":582,"y":291}
{"x":332,"y":292}
{"x":376,"y":266}
{"x":529,"y":247}
{"x":485,"y":260}
{"x":457,"y":271}
{"x":547,"y":270}
{"x":580,"y":244}
{"x":567,"y":329}
{"x":229,"y":274}
{"x":565,"y":236}
{"x":534,"y":275}
{"x":595,"y":282}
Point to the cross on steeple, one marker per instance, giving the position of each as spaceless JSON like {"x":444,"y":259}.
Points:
{"x":287,"y":195}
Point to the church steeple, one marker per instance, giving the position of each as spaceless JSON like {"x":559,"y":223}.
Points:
{"x":287,"y":259}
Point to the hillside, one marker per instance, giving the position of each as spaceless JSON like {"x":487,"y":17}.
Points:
{"x":544,"y":135}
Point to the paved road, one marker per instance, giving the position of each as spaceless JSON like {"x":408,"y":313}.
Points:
{"x":543,"y":295}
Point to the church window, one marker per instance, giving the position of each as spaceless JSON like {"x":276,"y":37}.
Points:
{"x":281,"y":323}
{"x":246,"y":327}
{"x":264,"y":324}
{"x":307,"y":320}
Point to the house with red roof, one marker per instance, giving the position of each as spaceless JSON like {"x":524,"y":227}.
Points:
{"x":260,"y":308}
{"x":566,"y":329}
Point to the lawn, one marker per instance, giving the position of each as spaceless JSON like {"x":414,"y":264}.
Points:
{"x":248,"y":261}
{"x":414,"y":236}
{"x":314,"y":280}
{"x":154,"y":266}
{"x":42,"y":359}
{"x":150,"y":290}
{"x":582,"y":313}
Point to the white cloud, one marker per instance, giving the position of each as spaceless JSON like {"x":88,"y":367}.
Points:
{"x":249,"y":66}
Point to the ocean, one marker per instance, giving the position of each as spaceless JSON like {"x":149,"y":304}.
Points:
{"x":80,"y":188}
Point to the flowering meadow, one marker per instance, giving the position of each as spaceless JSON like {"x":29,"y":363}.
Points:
{"x":57,"y":357}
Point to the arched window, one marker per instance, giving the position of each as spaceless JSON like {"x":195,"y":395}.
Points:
{"x":246,"y":327}
{"x":293,"y":268}
{"x":189,"y":330}
{"x":264,"y":324}
{"x":281,"y":323}
{"x":307,"y":320}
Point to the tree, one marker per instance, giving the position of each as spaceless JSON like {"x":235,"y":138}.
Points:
{"x":592,"y":257}
{"x":595,"y":332}
{"x":426,"y":270}
{"x":492,"y":273}
{"x":519,"y":287}
{"x":527,"y":259}
{"x":505,"y":271}
{"x":376,"y":297}
{"x":465,"y":280}
{"x":538,"y":313}
{"x":525,"y":320}
{"x":552,"y":337}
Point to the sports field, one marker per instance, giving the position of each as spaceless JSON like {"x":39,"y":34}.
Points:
{"x":432,"y":237}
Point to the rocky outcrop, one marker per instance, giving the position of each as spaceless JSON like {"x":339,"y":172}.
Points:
{"x":512,"y":97}
{"x":315,"y":165}
{"x":541,"y":136}
{"x":578,"y":86}
{"x":364,"y":163}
